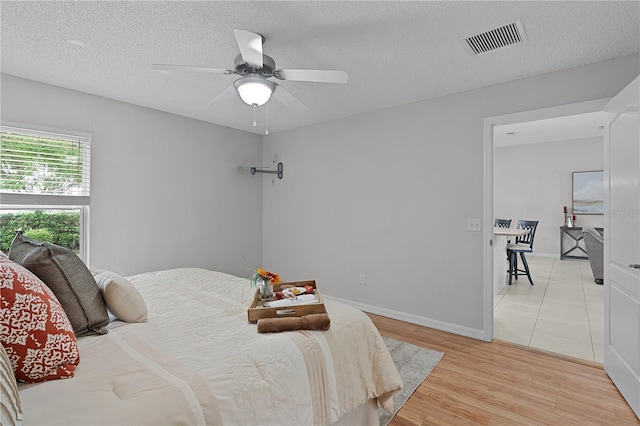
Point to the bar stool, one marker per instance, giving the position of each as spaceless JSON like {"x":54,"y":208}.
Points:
{"x":522,"y":245}
{"x":502,"y":223}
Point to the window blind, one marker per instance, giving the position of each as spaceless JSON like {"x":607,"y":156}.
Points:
{"x":43,"y":167}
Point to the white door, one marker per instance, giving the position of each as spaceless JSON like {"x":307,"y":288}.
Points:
{"x":622,"y":244}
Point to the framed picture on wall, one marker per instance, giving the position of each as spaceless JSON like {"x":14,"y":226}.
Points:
{"x":588,"y":192}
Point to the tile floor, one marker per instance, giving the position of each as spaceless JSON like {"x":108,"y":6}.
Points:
{"x":563,"y":312}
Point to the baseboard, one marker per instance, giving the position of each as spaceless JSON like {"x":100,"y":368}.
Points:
{"x":556,"y":256}
{"x":536,"y":254}
{"x":413,"y":319}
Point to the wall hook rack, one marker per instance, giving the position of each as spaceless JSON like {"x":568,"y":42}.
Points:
{"x":279,"y":172}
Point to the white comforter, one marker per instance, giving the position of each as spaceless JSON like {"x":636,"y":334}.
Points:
{"x":198,"y":361}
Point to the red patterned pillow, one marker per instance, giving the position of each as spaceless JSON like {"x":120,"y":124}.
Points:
{"x":34,"y":329}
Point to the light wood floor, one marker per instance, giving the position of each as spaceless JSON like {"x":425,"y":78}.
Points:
{"x":499,"y":384}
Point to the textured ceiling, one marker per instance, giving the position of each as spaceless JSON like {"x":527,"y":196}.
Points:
{"x":394,"y":52}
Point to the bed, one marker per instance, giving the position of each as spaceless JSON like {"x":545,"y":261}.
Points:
{"x":197,"y":360}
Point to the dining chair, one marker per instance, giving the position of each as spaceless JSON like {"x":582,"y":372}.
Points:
{"x":523,"y":244}
{"x":502,"y":223}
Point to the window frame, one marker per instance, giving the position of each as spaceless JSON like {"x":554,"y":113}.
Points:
{"x":30,"y":202}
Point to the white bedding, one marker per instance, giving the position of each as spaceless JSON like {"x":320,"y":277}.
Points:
{"x":198,"y":361}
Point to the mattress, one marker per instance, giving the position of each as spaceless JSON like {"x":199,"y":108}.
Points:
{"x":197,"y":360}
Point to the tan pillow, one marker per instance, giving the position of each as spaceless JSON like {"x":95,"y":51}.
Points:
{"x":122,"y":298}
{"x":10,"y":409}
{"x":69,"y":279}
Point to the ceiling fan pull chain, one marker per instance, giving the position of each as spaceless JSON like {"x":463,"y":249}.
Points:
{"x":254,"y":115}
{"x":266,"y":118}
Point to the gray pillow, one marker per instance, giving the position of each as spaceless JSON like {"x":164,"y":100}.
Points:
{"x":69,"y":279}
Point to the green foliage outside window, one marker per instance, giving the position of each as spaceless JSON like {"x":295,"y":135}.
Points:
{"x":59,"y":227}
{"x":39,"y":165}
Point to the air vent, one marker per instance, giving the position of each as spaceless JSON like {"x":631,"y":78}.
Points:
{"x":497,"y":38}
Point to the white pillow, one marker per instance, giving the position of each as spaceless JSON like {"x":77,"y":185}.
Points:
{"x":121,"y":297}
{"x":10,"y":410}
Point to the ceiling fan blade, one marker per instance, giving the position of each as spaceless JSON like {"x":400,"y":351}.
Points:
{"x":288,"y":100}
{"x":169,"y":67}
{"x":226,"y":95}
{"x":250,"y":45}
{"x":320,"y":76}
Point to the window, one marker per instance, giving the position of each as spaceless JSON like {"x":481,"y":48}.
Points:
{"x":45,"y":186}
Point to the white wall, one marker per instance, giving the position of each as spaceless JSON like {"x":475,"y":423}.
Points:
{"x":166,"y":191}
{"x":388,"y":194}
{"x":534,"y":182}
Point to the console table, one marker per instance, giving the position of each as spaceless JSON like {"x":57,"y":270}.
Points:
{"x":574,"y":236}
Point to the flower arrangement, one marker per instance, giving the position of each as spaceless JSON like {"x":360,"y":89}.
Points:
{"x":264,"y":275}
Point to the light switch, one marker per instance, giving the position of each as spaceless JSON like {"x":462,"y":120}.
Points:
{"x":474,"y":225}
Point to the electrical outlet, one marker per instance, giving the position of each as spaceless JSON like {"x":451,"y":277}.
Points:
{"x":363,"y":279}
{"x":474,"y":225}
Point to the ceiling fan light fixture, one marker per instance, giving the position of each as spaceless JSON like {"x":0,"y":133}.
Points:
{"x":254,"y":91}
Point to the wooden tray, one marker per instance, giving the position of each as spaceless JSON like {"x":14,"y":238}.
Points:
{"x":257,"y":311}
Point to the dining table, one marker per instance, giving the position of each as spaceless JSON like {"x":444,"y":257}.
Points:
{"x":501,"y":237}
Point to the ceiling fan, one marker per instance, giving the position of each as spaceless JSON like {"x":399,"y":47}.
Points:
{"x":255,"y":69}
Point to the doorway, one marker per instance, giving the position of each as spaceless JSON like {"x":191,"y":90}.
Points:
{"x":545,"y":264}
{"x":534,"y":168}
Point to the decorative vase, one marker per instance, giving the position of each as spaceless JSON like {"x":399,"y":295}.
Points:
{"x":266,"y":290}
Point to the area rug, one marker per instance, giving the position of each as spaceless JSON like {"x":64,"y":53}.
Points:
{"x":414,"y":365}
